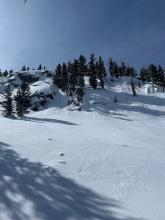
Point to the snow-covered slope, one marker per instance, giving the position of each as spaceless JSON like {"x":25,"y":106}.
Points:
{"x":106,"y":162}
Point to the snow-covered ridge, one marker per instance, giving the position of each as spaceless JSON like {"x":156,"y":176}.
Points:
{"x":44,"y":94}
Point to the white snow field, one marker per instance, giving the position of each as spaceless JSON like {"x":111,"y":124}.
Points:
{"x":106,"y":162}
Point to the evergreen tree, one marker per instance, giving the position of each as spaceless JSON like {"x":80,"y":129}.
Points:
{"x":69,"y":91}
{"x":133,"y":71}
{"x":58,"y":77}
{"x":143,"y":74}
{"x":92,"y":72}
{"x":81,"y":72}
{"x":74,"y":68}
{"x":22,"y":99}
{"x":152,"y":70}
{"x":39,"y":67}
{"x":123,"y":69}
{"x":5,"y":74}
{"x":82,"y":65}
{"x":23,"y":68}
{"x":101,"y":71}
{"x":111,"y":68}
{"x":160,"y":76}
{"x":64,"y":73}
{"x":115,"y":70}
{"x":7,"y":103}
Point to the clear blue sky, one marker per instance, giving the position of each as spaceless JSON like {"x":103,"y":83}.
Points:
{"x":52,"y":31}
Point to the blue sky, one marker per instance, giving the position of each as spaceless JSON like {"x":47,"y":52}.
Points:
{"x":53,"y":31}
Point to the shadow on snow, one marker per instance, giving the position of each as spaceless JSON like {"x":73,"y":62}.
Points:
{"x":41,"y":120}
{"x":49,"y":195}
{"x":103,"y":102}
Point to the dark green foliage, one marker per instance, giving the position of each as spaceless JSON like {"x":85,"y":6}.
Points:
{"x":153,"y":74}
{"x":73,"y":75}
{"x":61,"y":77}
{"x":113,"y":69}
{"x":117,"y":70}
{"x":28,"y":78}
{"x":130,"y":71}
{"x":64,"y":78}
{"x":92,"y":72}
{"x":143,"y":74}
{"x":22,"y":100}
{"x":160,"y":77}
{"x":23,"y":68}
{"x":58,"y":77}
{"x":7,"y":103}
{"x":82,"y":65}
{"x":101,"y":72}
{"x":39,"y":67}
{"x":5,"y":73}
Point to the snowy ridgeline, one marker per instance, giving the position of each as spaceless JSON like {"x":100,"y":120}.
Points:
{"x":44,"y":94}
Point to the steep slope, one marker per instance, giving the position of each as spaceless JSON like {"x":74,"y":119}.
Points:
{"x":105,"y":162}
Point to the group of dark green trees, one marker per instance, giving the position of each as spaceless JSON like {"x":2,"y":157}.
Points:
{"x":70,"y":77}
{"x":118,"y":70}
{"x":17,"y":104}
{"x":154,"y":74}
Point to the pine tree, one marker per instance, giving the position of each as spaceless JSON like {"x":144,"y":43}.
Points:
{"x":82,"y":65}
{"x":39,"y":67}
{"x":64,"y":73}
{"x":101,"y":72}
{"x":143,"y":74}
{"x":5,"y":74}
{"x":115,"y":70}
{"x":81,"y":72}
{"x":111,"y":68}
{"x":58,"y":77}
{"x":152,"y":70}
{"x":123,"y":69}
{"x":22,"y":99}
{"x":160,"y":76}
{"x":73,"y":75}
{"x":11,"y":72}
{"x":23,"y":68}
{"x":7,"y":103}
{"x":92,"y":72}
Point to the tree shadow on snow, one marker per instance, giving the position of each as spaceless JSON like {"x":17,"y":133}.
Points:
{"x":104,"y":103}
{"x":29,"y":191}
{"x":41,"y":120}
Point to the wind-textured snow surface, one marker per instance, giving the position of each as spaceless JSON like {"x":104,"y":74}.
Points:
{"x":106,"y":162}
